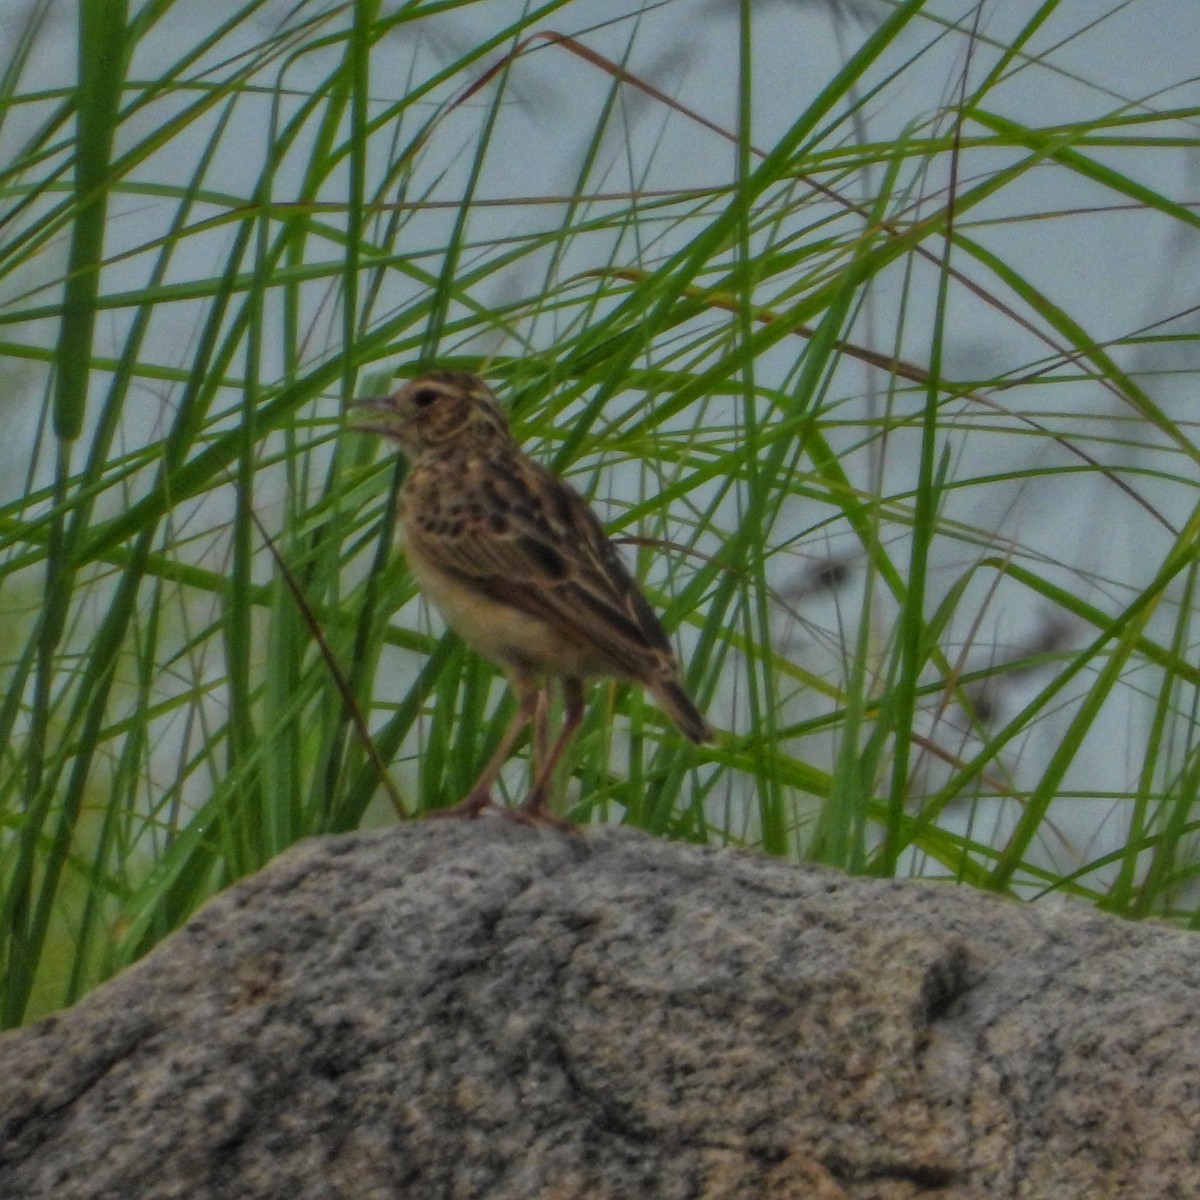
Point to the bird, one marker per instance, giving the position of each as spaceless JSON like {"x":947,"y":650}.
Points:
{"x":519,"y":565}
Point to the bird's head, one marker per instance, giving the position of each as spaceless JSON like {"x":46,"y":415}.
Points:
{"x":436,"y":410}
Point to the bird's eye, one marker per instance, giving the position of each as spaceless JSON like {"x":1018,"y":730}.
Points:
{"x":424,"y":397}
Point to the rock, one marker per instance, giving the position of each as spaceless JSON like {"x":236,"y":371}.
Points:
{"x":478,"y":1009}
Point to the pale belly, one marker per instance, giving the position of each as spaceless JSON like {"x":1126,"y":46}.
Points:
{"x":513,"y":639}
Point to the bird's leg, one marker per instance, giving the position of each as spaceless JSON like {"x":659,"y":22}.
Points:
{"x":541,"y":730}
{"x":480,"y":796}
{"x":534,"y":806}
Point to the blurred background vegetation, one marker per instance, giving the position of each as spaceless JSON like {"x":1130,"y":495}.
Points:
{"x":868,"y":329}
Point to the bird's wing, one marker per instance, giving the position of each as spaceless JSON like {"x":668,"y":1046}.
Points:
{"x":523,"y":537}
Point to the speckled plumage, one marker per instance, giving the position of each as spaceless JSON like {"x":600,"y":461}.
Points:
{"x":519,"y":565}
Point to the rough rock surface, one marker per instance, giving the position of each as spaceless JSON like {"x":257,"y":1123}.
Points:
{"x":482,"y":1010}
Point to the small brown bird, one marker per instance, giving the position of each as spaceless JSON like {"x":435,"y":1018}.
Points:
{"x":519,"y":565}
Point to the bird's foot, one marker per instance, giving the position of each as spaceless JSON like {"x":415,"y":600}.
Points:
{"x":535,"y":811}
{"x":532,"y":811}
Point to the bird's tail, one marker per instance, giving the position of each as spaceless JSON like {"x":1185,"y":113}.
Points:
{"x":677,"y":704}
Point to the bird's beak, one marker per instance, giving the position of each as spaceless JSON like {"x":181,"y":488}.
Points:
{"x":382,"y":405}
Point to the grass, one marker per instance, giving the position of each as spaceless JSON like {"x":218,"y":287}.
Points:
{"x":212,"y":649}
